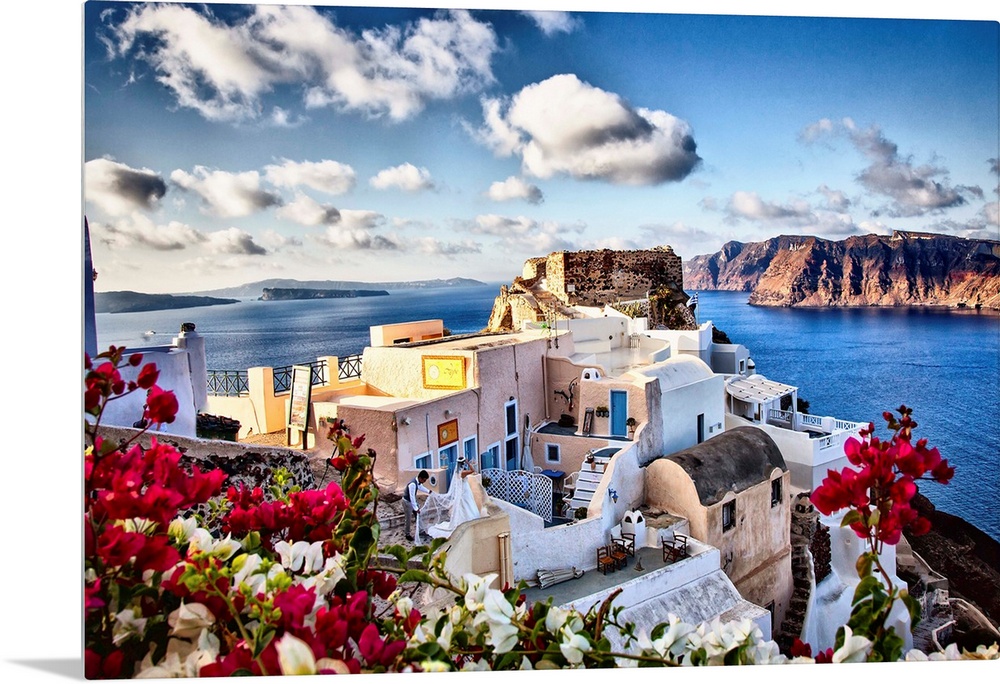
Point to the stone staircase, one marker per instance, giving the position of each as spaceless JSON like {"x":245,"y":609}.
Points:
{"x":587,"y":481}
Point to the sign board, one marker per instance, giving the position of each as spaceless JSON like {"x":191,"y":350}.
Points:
{"x":298,"y":406}
{"x":448,"y":432}
{"x":444,"y":372}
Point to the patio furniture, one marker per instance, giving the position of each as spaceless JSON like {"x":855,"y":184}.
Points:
{"x":618,"y":554}
{"x":675,"y":548}
{"x":569,"y":485}
{"x":626,"y":542}
{"x":604,"y":560}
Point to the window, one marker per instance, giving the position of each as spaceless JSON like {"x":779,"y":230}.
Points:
{"x":422,"y":462}
{"x":469,"y":449}
{"x":552,"y":453}
{"x":729,"y":515}
{"x":775,"y":492}
{"x":743,"y":366}
{"x":491,"y":457}
{"x":511,"y":450}
{"x":701,"y":428}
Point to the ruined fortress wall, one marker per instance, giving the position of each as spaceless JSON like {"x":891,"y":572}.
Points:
{"x":591,"y":278}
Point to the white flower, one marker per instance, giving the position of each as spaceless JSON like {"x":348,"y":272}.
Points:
{"x":294,"y":656}
{"x":293,"y":556}
{"x":181,"y":529}
{"x":247,"y":567}
{"x":476,"y":591}
{"x":128,"y":623}
{"x":404,"y":605}
{"x":497,"y":607}
{"x":189,"y":619}
{"x":224,"y":549}
{"x":556,"y":618}
{"x":503,"y":637}
{"x":672,"y":642}
{"x":854,"y":650}
{"x":332,"y":664}
{"x":574,"y":647}
{"x":481,"y":665}
{"x":434,"y":666}
{"x":525,"y":663}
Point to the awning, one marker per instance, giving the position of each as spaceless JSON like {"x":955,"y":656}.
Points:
{"x":757,"y":389}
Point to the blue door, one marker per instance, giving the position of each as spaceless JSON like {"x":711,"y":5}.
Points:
{"x":446,"y":459}
{"x":619,"y":411}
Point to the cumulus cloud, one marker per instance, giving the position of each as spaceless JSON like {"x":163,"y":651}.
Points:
{"x":565,"y":126}
{"x":225,"y":70}
{"x":361,"y":219}
{"x":233,"y":241}
{"x":836,"y":200}
{"x":749,"y":205}
{"x":226,"y":194}
{"x":405,"y":177}
{"x":525,"y":235}
{"x":306,"y":211}
{"x":119,"y":189}
{"x":514,"y":188}
{"x":275,"y":241}
{"x":434,"y":247}
{"x":358,"y":239}
{"x":551,"y":22}
{"x":913,"y":189}
{"x":326,"y":176}
{"x":140,"y":231}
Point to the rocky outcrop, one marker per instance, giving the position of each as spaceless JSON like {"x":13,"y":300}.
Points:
{"x":549,"y":288}
{"x":905,"y":269}
{"x":280,"y":294}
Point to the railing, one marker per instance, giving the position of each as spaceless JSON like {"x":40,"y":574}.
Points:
{"x":783,"y":416}
{"x":530,"y":491}
{"x":283,"y":376}
{"x":228,"y":383}
{"x":350,"y":366}
{"x":814,"y":421}
{"x":848,"y":425}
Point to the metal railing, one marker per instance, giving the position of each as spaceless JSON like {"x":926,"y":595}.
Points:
{"x":283,"y":376}
{"x":228,"y":383}
{"x":350,"y":366}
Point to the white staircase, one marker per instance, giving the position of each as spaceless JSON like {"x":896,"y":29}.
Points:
{"x":587,"y":481}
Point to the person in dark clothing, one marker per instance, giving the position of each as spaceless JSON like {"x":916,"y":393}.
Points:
{"x":410,"y":505}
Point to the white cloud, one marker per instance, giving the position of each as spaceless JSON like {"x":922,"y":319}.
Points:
{"x":565,"y":126}
{"x":913,"y":189}
{"x":225,"y":70}
{"x":749,"y":205}
{"x":140,"y":231}
{"x":355,"y":239}
{"x":836,"y":200}
{"x":226,"y":194}
{"x":306,"y":211}
{"x":512,"y":189}
{"x":326,"y":176}
{"x":360,"y":219}
{"x":233,"y":241}
{"x":405,"y":177}
{"x":119,"y":189}
{"x":275,"y":241}
{"x":433,"y":246}
{"x":551,"y":22}
{"x":525,"y":235}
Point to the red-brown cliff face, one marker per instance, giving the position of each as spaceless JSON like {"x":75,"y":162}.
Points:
{"x":905,"y":269}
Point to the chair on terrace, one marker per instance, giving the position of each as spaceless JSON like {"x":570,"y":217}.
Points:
{"x":604,"y":560}
{"x":675,"y":548}
{"x":618,"y":553}
{"x":625,"y":541}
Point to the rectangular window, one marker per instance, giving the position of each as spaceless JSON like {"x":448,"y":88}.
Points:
{"x":422,"y":462}
{"x":729,"y":515}
{"x":701,"y":428}
{"x":552,"y":453}
{"x":491,"y":457}
{"x":743,"y":366}
{"x":512,"y":451}
{"x":469,"y":449}
{"x":775,"y":492}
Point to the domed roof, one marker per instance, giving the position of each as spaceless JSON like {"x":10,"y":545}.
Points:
{"x":731,"y":462}
{"x":677,"y":371}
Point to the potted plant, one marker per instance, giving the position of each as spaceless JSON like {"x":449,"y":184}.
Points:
{"x":580,"y":513}
{"x":630,"y":423}
{"x":602,"y":412}
{"x":589,"y":459}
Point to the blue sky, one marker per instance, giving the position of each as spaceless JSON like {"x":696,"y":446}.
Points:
{"x":230,"y":143}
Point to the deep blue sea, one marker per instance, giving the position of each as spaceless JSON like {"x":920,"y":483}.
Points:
{"x":848,"y":363}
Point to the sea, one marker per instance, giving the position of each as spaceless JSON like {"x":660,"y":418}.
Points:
{"x":852,"y":364}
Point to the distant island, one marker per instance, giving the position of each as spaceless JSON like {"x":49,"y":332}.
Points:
{"x":126,"y":301}
{"x":256,"y":288}
{"x":905,"y":269}
{"x":280,"y":294}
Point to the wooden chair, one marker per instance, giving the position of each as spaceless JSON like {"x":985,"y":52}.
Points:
{"x":627,"y":542}
{"x":605,"y":561}
{"x":618,"y":553}
{"x":675,"y":548}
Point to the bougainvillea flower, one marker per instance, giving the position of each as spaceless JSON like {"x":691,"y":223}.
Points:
{"x":161,"y":406}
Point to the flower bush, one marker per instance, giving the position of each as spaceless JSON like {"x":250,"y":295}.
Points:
{"x":186,"y":576}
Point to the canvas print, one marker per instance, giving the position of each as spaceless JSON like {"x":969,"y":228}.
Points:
{"x":441,"y":339}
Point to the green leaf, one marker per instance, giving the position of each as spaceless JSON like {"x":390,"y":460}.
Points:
{"x":912,"y":605}
{"x":864,"y":565}
{"x":852,"y":516}
{"x":415,"y":575}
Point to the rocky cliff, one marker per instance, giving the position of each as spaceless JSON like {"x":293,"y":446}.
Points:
{"x":904,"y":269}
